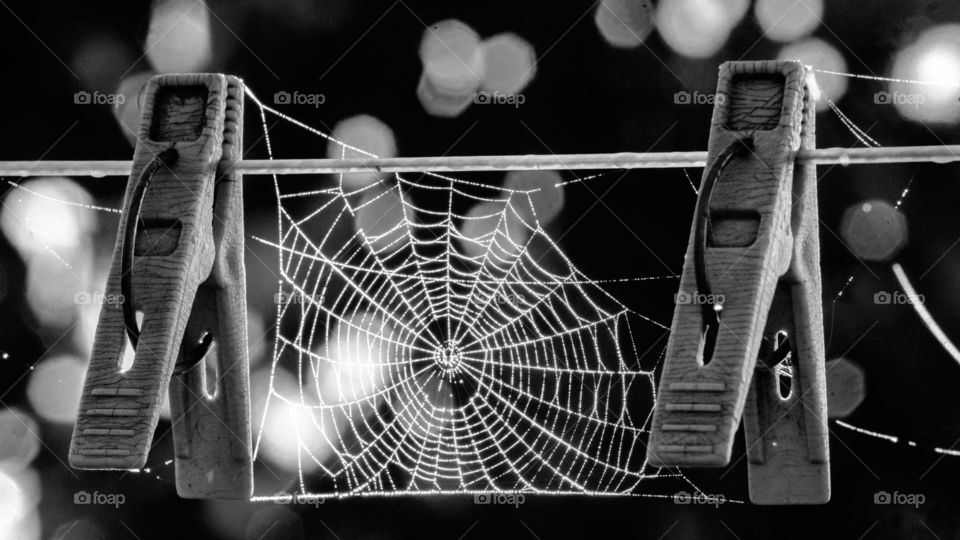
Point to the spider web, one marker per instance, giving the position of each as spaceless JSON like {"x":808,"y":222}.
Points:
{"x":553,"y":412}
{"x":442,"y":342}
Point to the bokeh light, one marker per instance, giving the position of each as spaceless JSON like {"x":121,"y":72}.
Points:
{"x":442,"y":104}
{"x":36,"y":220}
{"x":15,"y":505}
{"x":99,"y":60}
{"x":546,"y":200}
{"x":257,"y":336}
{"x":29,"y":527}
{"x":846,"y":387}
{"x":510,"y":63}
{"x":165,"y":413}
{"x":624,"y":23}
{"x":366,"y":135}
{"x":821,"y":55}
{"x":452,"y":57}
{"x":934,"y":58}
{"x":874,"y":230}
{"x":695,"y":28}
{"x":787,"y":20}
{"x":88,"y":314}
{"x":453,"y":66}
{"x":357,"y":351}
{"x":381,"y":217}
{"x":179,"y":39}
{"x":54,"y":388}
{"x":492,"y":226}
{"x":293,"y":431}
{"x":129,"y":112}
{"x":47,"y":220}
{"x":736,"y":9}
{"x":19,"y":439}
{"x":28,"y":479}
{"x":54,"y":288}
{"x":129,"y":353}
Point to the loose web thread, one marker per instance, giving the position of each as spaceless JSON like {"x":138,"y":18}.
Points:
{"x":74,"y":204}
{"x":865,"y":139}
{"x":894,"y":439}
{"x":444,"y":343}
{"x":925,"y":316}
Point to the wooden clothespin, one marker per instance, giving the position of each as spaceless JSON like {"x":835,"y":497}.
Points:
{"x":751,"y":277}
{"x":178,"y":262}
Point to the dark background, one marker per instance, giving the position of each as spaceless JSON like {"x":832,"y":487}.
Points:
{"x":586,"y":97}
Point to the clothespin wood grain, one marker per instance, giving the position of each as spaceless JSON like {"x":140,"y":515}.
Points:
{"x":751,"y":277}
{"x":178,"y":262}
